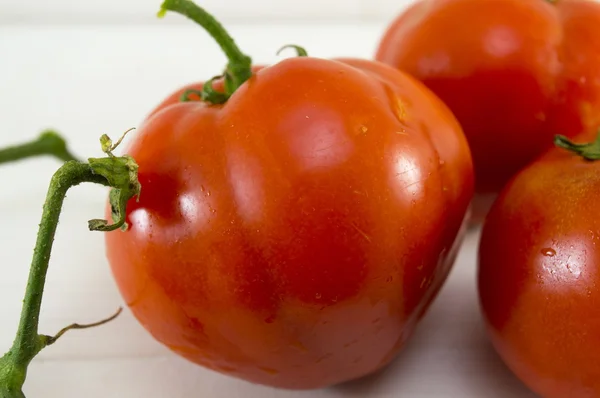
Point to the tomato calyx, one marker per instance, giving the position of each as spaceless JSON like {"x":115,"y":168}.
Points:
{"x":208,"y":93}
{"x":588,"y":151}
{"x":239,"y":67}
{"x":300,"y":51}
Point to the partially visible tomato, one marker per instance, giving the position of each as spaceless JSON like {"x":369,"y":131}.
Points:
{"x":514,"y":72}
{"x":294,"y":235}
{"x":539,"y":275}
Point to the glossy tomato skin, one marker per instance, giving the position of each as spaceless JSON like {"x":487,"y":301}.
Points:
{"x":510,"y":70}
{"x":294,"y":236}
{"x":539,"y":276}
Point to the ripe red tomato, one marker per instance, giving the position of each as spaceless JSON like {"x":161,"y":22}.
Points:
{"x":539,"y":275}
{"x":294,"y":236}
{"x":514,"y":73}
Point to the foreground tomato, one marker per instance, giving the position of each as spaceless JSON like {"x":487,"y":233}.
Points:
{"x":294,"y":235}
{"x":539,"y":275}
{"x":512,"y":71}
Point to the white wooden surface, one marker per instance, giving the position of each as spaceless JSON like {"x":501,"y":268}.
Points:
{"x":243,"y":11}
{"x":87,"y":81}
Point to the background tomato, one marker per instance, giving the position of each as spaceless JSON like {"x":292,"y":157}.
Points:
{"x":514,"y":72}
{"x":539,"y":276}
{"x":294,"y":236}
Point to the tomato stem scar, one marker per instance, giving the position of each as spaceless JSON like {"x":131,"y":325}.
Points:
{"x":48,"y":143}
{"x":239,"y":67}
{"x":120,"y":173}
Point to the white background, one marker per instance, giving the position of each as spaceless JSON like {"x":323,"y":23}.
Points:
{"x":93,"y":67}
{"x":240,"y":11}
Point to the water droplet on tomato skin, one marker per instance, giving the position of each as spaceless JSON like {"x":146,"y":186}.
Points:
{"x":548,"y":252}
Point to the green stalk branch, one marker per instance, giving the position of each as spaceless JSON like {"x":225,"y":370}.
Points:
{"x":239,"y":67}
{"x":120,"y":173}
{"x":48,"y":143}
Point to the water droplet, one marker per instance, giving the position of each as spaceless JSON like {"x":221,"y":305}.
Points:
{"x":389,"y":279}
{"x":362,"y":129}
{"x":548,"y":252}
{"x":207,"y":193}
{"x":318,"y":296}
{"x":569,"y":268}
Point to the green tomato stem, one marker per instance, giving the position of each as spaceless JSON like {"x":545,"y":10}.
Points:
{"x":117,"y":172}
{"x":588,"y":151}
{"x":48,"y":143}
{"x":239,"y":67}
